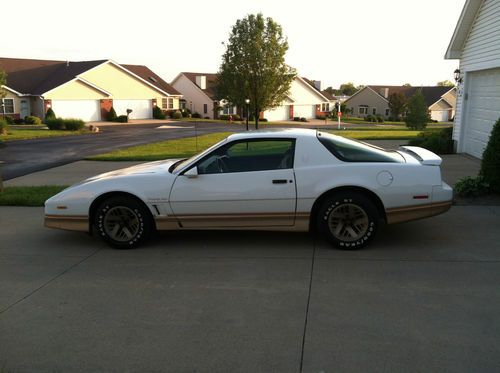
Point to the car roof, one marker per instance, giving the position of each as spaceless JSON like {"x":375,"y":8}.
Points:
{"x":276,"y":132}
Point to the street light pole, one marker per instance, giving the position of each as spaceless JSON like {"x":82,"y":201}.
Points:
{"x":247,"y":101}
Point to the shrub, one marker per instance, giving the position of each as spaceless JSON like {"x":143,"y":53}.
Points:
{"x":263,"y":120}
{"x":490,"y":164}
{"x":158,"y":113}
{"x":196,"y":115}
{"x":8,"y":119}
{"x":122,"y":119}
{"x":321,"y":117}
{"x":226,"y":117}
{"x":18,"y":121}
{"x":177,"y":115}
{"x":302,"y":119}
{"x":471,"y":186}
{"x":207,"y":118}
{"x":32,"y":120}
{"x":439,"y":142}
{"x":49,"y":115}
{"x":380,"y":119}
{"x":111,"y":116}
{"x":3,"y":126}
{"x":296,"y":119}
{"x":55,"y":124}
{"x":185,"y":113}
{"x":73,"y":124}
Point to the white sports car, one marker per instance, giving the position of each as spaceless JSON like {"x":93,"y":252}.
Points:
{"x":290,"y":180}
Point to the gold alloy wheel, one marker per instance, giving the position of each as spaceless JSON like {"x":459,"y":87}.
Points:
{"x":348,"y":222}
{"x":121,"y":223}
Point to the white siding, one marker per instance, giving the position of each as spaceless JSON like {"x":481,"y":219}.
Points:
{"x":481,"y":51}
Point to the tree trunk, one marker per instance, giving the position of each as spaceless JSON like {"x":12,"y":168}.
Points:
{"x":257,"y":115}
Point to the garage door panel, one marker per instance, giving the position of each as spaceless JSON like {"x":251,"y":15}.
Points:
{"x":304,"y":111}
{"x":87,"y":110}
{"x":277,"y":114}
{"x":141,"y":109}
{"x":482,"y":110}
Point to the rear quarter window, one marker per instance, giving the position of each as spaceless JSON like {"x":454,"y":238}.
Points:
{"x":348,"y":150}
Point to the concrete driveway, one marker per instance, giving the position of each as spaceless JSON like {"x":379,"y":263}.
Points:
{"x":423,"y":298}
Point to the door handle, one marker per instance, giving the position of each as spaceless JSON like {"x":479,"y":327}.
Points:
{"x":280,"y":181}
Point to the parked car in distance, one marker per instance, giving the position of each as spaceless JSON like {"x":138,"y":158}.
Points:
{"x":286,"y":180}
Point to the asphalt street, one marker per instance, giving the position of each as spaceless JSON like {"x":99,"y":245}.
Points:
{"x":26,"y":156}
{"x":422,"y":298}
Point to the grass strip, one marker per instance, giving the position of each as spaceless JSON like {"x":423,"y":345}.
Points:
{"x":28,"y":195}
{"x":179,"y":148}
{"x":27,"y":134}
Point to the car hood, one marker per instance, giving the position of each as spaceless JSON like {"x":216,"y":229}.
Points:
{"x":140,"y":169}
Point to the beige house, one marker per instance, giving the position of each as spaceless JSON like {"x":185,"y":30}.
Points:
{"x":86,"y":90}
{"x":374,"y":100}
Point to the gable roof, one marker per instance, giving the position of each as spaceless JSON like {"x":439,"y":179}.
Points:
{"x":148,"y":75}
{"x":36,"y":77}
{"x":324,"y":94}
{"x":431,"y":94}
{"x":462,"y":29}
{"x":211,"y":83}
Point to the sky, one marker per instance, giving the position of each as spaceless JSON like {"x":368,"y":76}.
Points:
{"x":384,"y":42}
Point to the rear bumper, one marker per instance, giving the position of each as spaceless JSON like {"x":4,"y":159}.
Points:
{"x":402,"y":214}
{"x":68,"y":222}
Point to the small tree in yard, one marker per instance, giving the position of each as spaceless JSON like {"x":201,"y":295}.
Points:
{"x":253,"y":66}
{"x":397,"y":104}
{"x":418,"y":112}
{"x":490,"y":164}
{"x":111,"y":116}
{"x":50,"y":115}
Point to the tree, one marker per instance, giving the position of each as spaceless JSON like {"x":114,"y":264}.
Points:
{"x":418,"y":112}
{"x":3,"y":81}
{"x":397,"y":104}
{"x":445,"y":83}
{"x":253,"y":66}
{"x":332,"y":91}
{"x":348,"y":89}
{"x":407,"y":85}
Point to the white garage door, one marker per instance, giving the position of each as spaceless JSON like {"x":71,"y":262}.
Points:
{"x":304,"y":111}
{"x":482,"y":110}
{"x":276,"y":114}
{"x":87,"y":110}
{"x":141,"y":109}
{"x":439,"y":115}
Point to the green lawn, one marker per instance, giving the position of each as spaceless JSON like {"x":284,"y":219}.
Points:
{"x":180,"y":148}
{"x":35,"y":133}
{"x":28,"y":195}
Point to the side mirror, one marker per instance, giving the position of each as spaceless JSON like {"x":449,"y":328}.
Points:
{"x":191,"y":173}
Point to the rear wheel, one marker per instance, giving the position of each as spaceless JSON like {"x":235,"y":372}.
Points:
{"x":349,"y":220}
{"x":123,"y":222}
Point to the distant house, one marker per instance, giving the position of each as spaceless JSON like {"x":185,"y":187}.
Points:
{"x":476,"y":43}
{"x":374,"y":100}
{"x":86,"y":90}
{"x":199,"y":91}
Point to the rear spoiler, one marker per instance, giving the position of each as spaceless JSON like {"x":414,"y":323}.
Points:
{"x":423,"y":155}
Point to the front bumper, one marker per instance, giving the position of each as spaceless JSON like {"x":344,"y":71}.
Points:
{"x":68,"y":222}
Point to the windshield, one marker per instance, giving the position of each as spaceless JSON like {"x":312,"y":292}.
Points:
{"x":349,"y":150}
{"x":179,"y":166}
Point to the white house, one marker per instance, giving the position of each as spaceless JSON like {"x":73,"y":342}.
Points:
{"x":476,"y":43}
{"x":200,"y":94}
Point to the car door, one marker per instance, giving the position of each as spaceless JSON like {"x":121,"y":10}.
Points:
{"x":246,"y":183}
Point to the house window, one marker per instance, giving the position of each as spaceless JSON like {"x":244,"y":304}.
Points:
{"x":164,"y":103}
{"x":374,"y":110}
{"x":229,"y":110}
{"x":325,"y":107}
{"x":205,"y":108}
{"x":363,"y":110}
{"x":387,"y":112}
{"x":7,"y":106}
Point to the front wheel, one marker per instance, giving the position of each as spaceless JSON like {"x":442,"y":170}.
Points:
{"x":123,"y":222}
{"x":349,"y":220}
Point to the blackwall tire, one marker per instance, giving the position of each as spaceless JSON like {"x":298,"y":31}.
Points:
{"x":349,"y":220}
{"x":124,"y":223}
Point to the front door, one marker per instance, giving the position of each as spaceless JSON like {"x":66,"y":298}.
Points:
{"x":247,"y":183}
{"x":25,"y":108}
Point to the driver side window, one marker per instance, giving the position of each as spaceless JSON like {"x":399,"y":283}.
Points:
{"x":249,"y":155}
